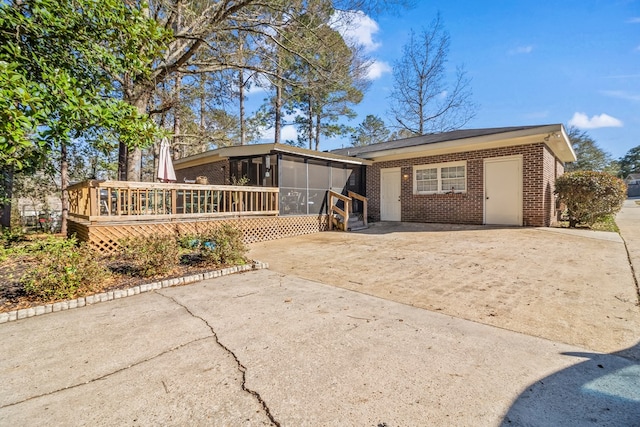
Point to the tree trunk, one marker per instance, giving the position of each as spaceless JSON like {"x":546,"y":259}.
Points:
{"x":310,"y":123}
{"x":64,"y":184}
{"x":243,"y":135}
{"x":203,"y":133}
{"x":6,"y":193}
{"x":277,"y":129}
{"x":134,"y":155}
{"x":277,"y":134}
{"x":317,"y":132}
{"x":176,"y":118}
{"x":123,"y":155}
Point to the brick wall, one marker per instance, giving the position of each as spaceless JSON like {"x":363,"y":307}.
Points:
{"x":540,"y":168}
{"x":217,"y":172}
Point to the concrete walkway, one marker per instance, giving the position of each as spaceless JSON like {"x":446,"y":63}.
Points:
{"x":265,"y":348}
{"x":628,"y":221}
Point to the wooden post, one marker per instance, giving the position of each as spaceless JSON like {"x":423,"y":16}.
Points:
{"x":94,"y":201}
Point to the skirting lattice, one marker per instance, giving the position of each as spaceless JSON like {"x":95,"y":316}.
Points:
{"x":256,"y":229}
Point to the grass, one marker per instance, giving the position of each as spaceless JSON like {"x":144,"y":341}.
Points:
{"x":608,"y":224}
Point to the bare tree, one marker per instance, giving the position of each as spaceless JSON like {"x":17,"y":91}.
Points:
{"x":421,"y":100}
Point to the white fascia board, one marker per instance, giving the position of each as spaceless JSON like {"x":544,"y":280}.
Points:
{"x":561,"y":146}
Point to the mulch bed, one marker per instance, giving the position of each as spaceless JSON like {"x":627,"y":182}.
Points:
{"x":13,"y":297}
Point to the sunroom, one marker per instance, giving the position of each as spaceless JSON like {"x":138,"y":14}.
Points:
{"x":304,"y":177}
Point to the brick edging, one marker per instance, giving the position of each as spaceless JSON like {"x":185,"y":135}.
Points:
{"x":23,"y":313}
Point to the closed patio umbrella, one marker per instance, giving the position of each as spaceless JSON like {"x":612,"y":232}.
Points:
{"x":166,"y":173}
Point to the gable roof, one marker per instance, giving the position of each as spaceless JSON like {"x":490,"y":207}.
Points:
{"x":467,"y":139}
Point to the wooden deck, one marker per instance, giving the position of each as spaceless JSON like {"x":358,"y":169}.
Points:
{"x":104,"y":212}
{"x":119,"y":202}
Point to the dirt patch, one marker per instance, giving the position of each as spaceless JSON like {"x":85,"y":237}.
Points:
{"x":574,"y":287}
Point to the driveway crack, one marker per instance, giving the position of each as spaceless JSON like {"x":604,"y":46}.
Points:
{"x":241,"y":367}
{"x":107,"y":375}
{"x":633,"y":270}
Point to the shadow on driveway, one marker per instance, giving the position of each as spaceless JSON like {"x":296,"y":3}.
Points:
{"x":601,"y":391}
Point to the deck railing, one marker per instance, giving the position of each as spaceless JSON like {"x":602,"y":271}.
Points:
{"x":115,"y":201}
{"x":334,"y":198}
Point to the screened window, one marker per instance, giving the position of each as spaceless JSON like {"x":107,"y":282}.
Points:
{"x":440,"y":178}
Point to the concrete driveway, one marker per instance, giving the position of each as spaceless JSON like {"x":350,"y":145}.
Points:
{"x":571,"y":286}
{"x":274,"y":348}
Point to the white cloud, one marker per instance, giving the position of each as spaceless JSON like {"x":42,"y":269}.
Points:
{"x":582,"y":121}
{"x":377,"y":69}
{"x":521,"y":50}
{"x":621,"y":94}
{"x":286,"y":133}
{"x":255,"y":89}
{"x":357,"y":27}
{"x":289,"y":132}
{"x":635,"y":20}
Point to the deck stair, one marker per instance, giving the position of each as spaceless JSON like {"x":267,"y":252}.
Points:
{"x":341,"y":216}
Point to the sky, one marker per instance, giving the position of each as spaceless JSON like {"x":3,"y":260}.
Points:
{"x":530,"y":62}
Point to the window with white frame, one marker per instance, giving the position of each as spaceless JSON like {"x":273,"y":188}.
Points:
{"x":440,"y":178}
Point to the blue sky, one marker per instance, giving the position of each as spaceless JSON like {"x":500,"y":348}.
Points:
{"x":530,"y":62}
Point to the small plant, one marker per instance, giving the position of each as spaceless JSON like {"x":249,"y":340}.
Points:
{"x":63,"y":271}
{"x":188,"y":241}
{"x":244,"y":180}
{"x":150,"y":256}
{"x":590,"y":196}
{"x":224,"y":246}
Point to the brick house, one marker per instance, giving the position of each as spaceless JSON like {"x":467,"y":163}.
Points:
{"x":500,"y":176}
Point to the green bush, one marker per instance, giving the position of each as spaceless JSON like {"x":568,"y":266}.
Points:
{"x":149,"y":256}
{"x":10,"y":236}
{"x":590,"y":196}
{"x":223,"y":246}
{"x":62,"y":271}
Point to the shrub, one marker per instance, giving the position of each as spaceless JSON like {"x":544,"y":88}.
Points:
{"x":590,"y":196}
{"x":150,"y":256}
{"x":223,"y":246}
{"x":63,"y":270}
{"x":9,"y":236}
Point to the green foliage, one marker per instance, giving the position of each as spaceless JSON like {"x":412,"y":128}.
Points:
{"x":54,"y":85}
{"x":590,"y":157}
{"x":370,"y":131}
{"x":63,"y":270}
{"x":150,"y":256}
{"x":224,"y":246}
{"x":329,"y":86}
{"x":590,"y":196}
{"x":630,"y":163}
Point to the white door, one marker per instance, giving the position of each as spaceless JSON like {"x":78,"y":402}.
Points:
{"x":503,"y":191}
{"x":390,"y":194}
